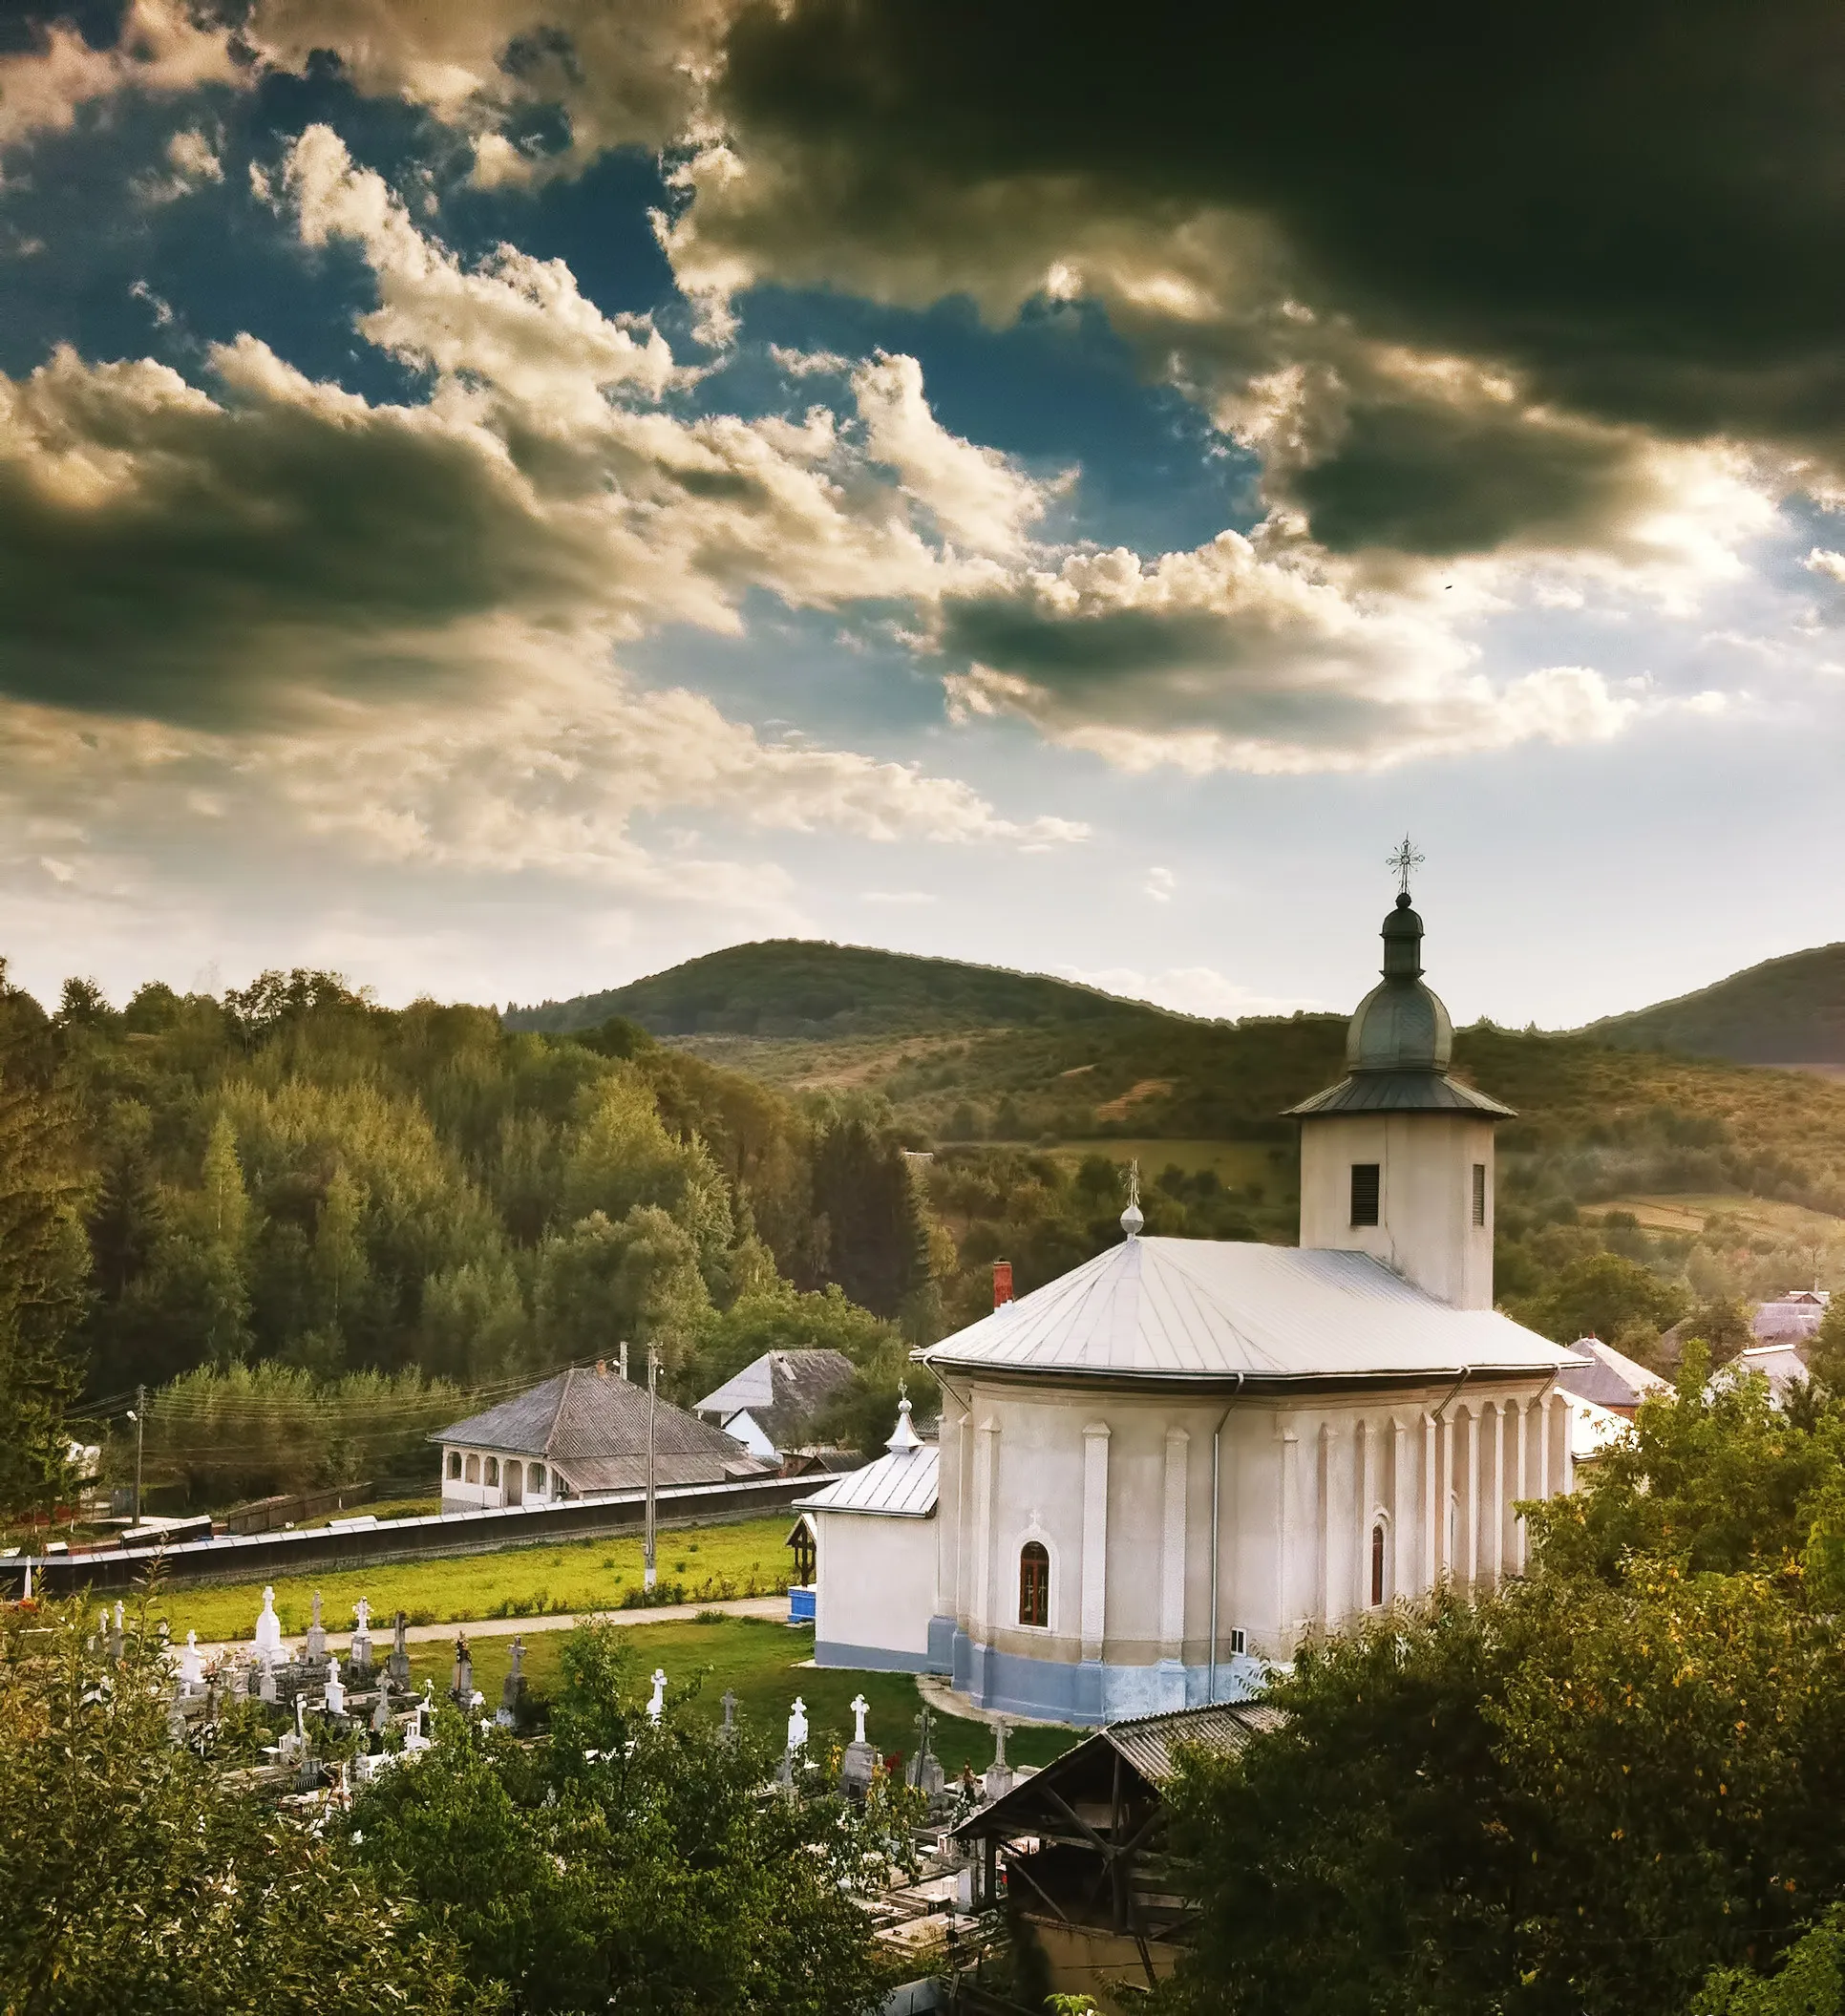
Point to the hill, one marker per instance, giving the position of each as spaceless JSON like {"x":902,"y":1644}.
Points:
{"x":784,"y":987}
{"x":1789,"y":1010}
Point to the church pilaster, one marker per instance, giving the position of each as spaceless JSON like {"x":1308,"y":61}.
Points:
{"x":1363,"y":1493}
{"x":1172,"y":1546}
{"x":1096,"y":1538}
{"x":1401,"y":1505}
{"x":1324,"y":1605}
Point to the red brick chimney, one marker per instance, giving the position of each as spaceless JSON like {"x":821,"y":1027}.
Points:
{"x":1002,"y":1282}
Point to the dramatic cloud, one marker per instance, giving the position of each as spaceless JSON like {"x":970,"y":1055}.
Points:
{"x":160,"y":48}
{"x":164,"y":548}
{"x":1223,"y":660}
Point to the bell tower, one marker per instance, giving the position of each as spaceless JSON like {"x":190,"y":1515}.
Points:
{"x":1397,"y":1159}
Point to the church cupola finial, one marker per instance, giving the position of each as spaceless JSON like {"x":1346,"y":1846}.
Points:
{"x":1133,"y":1218}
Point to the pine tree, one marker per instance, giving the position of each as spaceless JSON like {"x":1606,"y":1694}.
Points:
{"x":44,"y":1273}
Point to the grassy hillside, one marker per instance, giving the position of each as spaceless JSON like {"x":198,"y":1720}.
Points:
{"x":1034,"y":1095}
{"x":1789,"y":1010}
{"x":804,"y":987}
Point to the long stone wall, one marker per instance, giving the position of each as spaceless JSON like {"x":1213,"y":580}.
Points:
{"x":269,"y":1557}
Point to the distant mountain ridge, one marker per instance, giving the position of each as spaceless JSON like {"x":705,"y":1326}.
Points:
{"x":1788,"y":1010}
{"x":811,"y":987}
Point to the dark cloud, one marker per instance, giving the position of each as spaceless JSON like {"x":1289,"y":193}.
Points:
{"x":1638,"y":211}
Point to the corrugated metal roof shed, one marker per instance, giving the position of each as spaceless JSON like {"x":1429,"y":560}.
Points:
{"x":1152,"y":1743}
{"x":1195,"y":1308}
{"x":900,"y":1486}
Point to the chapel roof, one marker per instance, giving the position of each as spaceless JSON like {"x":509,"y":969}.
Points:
{"x":902,"y":1485}
{"x":594,"y":1424}
{"x":1221,"y":1310}
{"x":784,"y":1392}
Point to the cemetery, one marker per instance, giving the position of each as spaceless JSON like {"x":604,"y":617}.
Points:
{"x":309,"y":1727}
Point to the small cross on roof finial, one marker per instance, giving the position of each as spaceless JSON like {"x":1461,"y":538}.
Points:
{"x":1405,"y":861}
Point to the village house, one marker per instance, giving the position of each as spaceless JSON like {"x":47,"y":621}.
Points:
{"x":775,"y":1406}
{"x":581,"y":1433}
{"x":1158,"y":1472}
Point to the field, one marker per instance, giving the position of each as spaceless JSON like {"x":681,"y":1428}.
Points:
{"x":763,"y":1663}
{"x":703,"y":1563}
{"x":1764,"y":1218}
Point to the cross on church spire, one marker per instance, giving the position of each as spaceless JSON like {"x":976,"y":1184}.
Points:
{"x":1405,"y":861}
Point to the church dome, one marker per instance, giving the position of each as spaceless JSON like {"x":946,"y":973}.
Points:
{"x":1401,"y":1025}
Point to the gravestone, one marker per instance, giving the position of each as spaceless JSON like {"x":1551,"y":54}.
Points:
{"x":926,"y":1773}
{"x":335,"y":1692}
{"x":381,"y":1709}
{"x":267,"y":1642}
{"x":192,"y":1667}
{"x":859,"y":1763}
{"x":315,"y":1648}
{"x":657,"y":1701}
{"x":115,"y":1636}
{"x":397,"y":1666}
{"x":359,"y":1654}
{"x":513,"y":1692}
{"x":999,"y":1777}
{"x":462,"y":1686}
{"x":796,"y":1743}
{"x":728,"y":1732}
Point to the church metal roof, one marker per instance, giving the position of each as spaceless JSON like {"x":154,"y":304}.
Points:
{"x":899,"y":1486}
{"x":1218,"y":1311}
{"x":1400,"y":1091}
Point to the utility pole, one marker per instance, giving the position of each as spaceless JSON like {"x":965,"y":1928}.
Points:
{"x":653,"y":1400}
{"x":140,"y":1421}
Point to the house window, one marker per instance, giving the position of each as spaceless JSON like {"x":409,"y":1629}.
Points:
{"x":493,"y":1470}
{"x":1377,"y":1565}
{"x":474,"y":1470}
{"x":1480,"y":1193}
{"x":1363,"y":1193}
{"x":1034,"y":1584}
{"x":1238,"y":1642}
{"x":455,"y":1463}
{"x":535,"y":1477}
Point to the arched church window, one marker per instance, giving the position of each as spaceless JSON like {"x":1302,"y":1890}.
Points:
{"x":1034,"y":1583}
{"x":1377,"y":1565}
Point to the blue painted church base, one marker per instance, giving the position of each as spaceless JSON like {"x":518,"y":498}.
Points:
{"x":869,"y":1659}
{"x":1088,"y":1692}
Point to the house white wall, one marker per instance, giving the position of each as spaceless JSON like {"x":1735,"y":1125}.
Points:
{"x":742,"y":1426}
{"x":1425,"y":1227}
{"x":472,"y":1491}
{"x":877,"y":1589}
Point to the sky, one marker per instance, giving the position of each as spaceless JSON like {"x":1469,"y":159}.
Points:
{"x":497,"y":499}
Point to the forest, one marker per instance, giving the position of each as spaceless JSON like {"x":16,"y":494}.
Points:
{"x":291,"y":1206}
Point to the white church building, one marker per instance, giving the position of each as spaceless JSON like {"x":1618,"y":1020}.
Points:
{"x":1167,"y":1468}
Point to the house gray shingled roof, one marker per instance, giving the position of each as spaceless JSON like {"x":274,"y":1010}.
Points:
{"x":785,"y":1394}
{"x":592,"y":1425}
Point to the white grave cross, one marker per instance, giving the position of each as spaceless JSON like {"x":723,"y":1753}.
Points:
{"x":797,"y":1726}
{"x":860,"y":1708}
{"x":656,"y":1706}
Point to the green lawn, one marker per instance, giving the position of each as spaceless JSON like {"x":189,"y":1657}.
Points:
{"x":761,"y":1663}
{"x":697,"y":1564}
